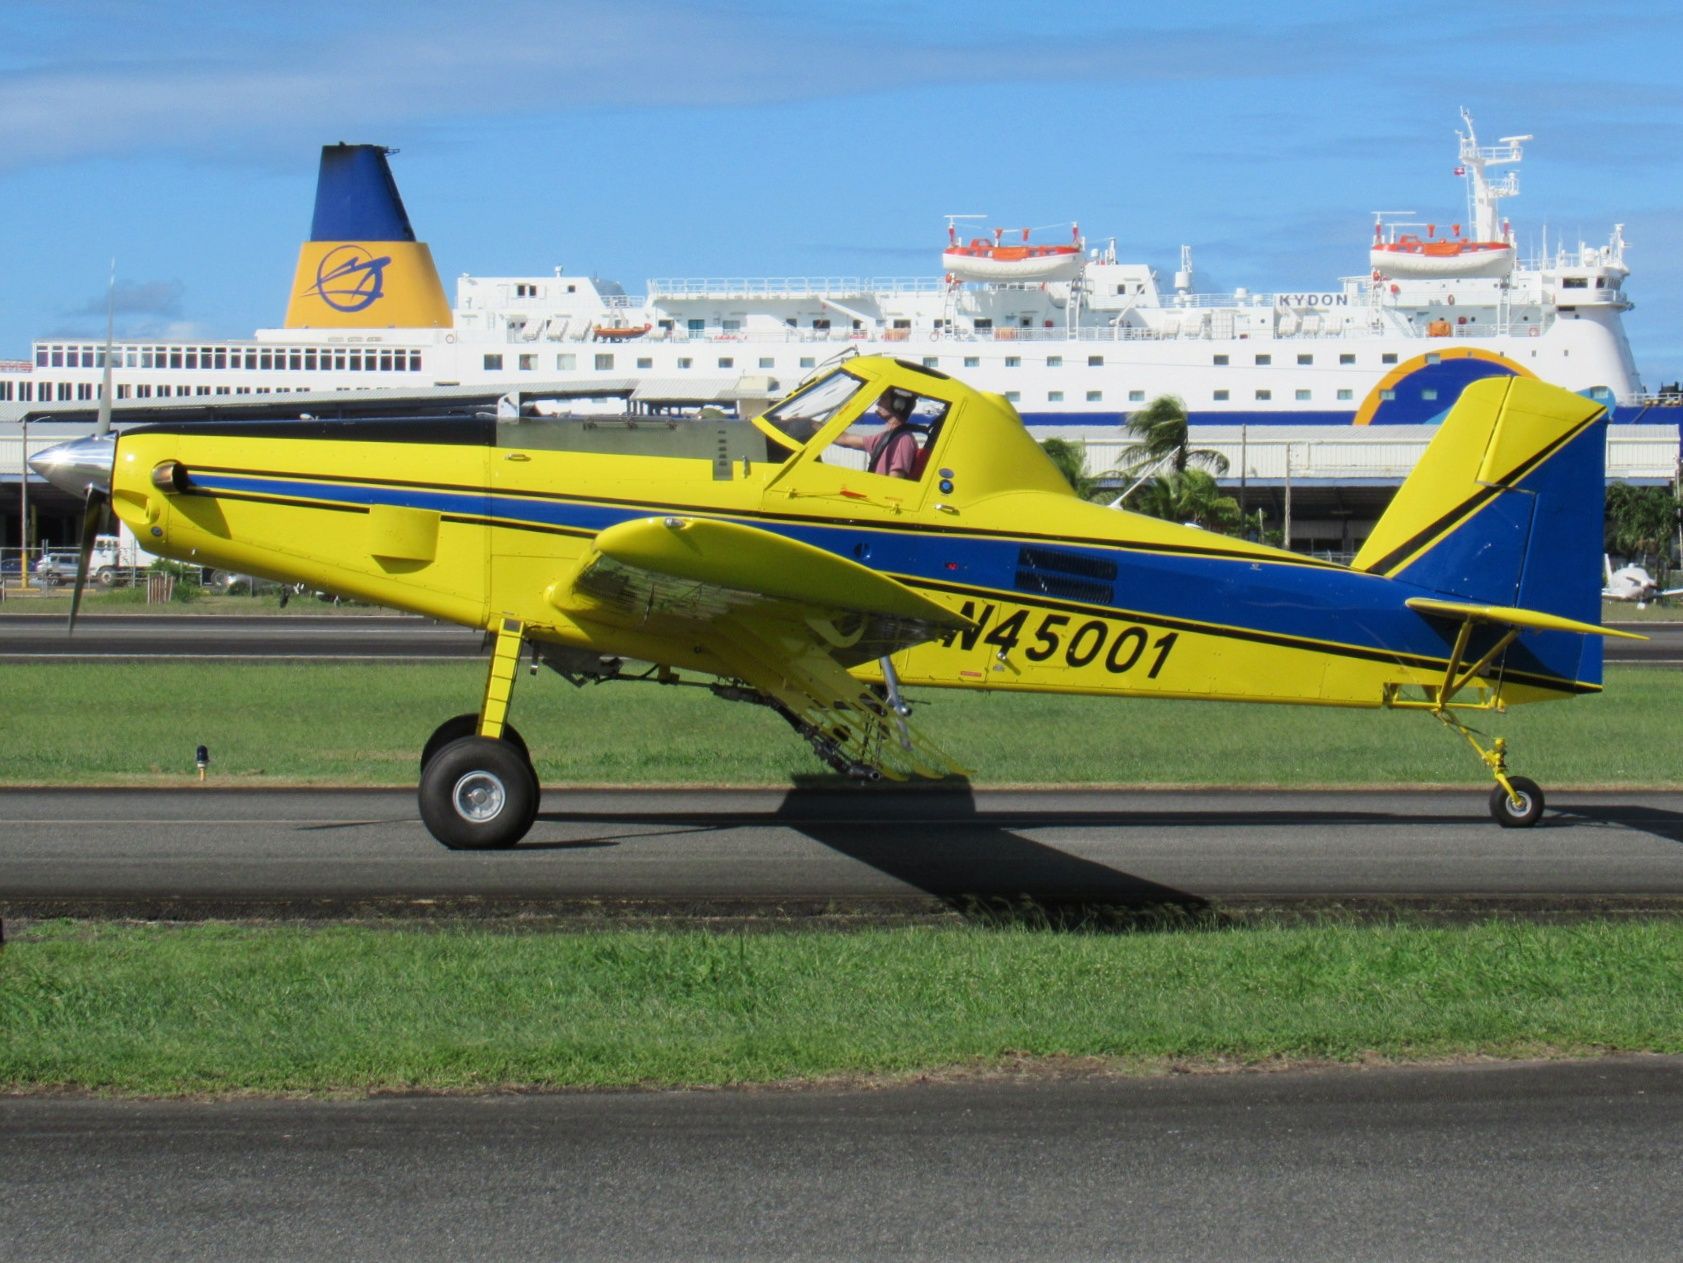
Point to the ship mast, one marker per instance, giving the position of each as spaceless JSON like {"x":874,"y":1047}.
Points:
{"x":1482,"y":193}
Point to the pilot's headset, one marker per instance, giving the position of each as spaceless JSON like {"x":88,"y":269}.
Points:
{"x":899,"y":403}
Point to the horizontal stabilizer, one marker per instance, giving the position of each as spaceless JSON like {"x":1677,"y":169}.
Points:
{"x":1529,"y":620}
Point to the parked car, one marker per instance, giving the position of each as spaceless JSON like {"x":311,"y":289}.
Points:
{"x":53,"y":569}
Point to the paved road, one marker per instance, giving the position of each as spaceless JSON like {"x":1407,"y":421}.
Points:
{"x":1538,"y":1162}
{"x":1664,"y":646}
{"x":400,"y":636}
{"x":805,"y":849}
{"x":201,"y":636}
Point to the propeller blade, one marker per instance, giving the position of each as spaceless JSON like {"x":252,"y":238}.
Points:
{"x":93,"y":517}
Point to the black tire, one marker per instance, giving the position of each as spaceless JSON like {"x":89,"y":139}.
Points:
{"x":1506,"y":814}
{"x":477,"y":794}
{"x":468,"y":726}
{"x":105,"y":576}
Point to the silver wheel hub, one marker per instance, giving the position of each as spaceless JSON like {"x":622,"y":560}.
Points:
{"x":479,"y":797}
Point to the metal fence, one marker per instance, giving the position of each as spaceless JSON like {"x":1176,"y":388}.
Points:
{"x":33,"y":578}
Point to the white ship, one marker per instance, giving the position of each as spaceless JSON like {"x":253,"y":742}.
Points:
{"x":1071,"y":333}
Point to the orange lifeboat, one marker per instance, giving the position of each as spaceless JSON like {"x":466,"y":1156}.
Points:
{"x":619,"y":332}
{"x":983,"y":260}
{"x":1409,"y":255}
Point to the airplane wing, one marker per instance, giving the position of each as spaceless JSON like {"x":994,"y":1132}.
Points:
{"x":786,"y":618}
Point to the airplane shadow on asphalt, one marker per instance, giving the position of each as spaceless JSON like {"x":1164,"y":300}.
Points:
{"x":976,"y":862}
{"x":1665,"y":825}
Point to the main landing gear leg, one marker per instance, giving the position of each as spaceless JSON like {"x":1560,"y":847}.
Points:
{"x":478,"y":788}
{"x":1516,"y":802}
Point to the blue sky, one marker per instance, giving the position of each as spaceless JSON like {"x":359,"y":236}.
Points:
{"x":655,"y":138}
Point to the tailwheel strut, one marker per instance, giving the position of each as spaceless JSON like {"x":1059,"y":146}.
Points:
{"x":1516,"y":802}
{"x":478,"y":788}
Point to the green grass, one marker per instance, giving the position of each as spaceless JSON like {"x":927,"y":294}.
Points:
{"x":1666,"y":610}
{"x":364,"y":724}
{"x":225,"y":1009}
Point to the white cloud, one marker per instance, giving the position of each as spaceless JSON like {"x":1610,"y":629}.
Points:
{"x":123,"y":83}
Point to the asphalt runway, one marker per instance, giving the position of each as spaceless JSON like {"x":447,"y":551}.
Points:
{"x":353,"y":636}
{"x":1537,"y":1162}
{"x":826,"y":849}
{"x":196,"y":637}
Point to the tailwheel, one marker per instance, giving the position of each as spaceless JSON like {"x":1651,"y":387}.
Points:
{"x":467,"y":726}
{"x":478,"y":793}
{"x":1521,"y":808}
{"x":1516,"y":802}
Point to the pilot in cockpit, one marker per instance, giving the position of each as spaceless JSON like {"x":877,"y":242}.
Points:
{"x":893,"y":450}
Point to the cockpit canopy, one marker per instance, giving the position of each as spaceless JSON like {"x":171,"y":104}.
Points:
{"x":847,"y":420}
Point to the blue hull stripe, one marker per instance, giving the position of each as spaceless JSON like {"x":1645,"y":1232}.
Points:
{"x":1291,"y":604}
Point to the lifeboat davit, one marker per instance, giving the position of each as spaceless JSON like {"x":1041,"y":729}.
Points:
{"x":1411,"y":256}
{"x":985,"y":260}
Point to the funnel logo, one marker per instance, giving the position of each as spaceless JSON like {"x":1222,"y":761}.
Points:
{"x":350,"y":278}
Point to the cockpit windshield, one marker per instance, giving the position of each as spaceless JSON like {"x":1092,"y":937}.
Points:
{"x":802,"y":415}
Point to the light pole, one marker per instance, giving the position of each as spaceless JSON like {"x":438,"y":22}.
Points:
{"x":23,"y":507}
{"x":23,"y":510}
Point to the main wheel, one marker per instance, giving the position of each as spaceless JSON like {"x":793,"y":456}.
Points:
{"x":1525,"y":815}
{"x":477,"y":794}
{"x":468,"y":726}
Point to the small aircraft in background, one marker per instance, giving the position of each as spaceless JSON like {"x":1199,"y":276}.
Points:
{"x":767,"y":560}
{"x":1631,"y":583}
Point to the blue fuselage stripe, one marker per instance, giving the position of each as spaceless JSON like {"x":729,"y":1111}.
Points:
{"x":1280,"y":600}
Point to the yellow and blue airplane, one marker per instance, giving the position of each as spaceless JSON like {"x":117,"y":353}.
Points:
{"x":766,"y":558}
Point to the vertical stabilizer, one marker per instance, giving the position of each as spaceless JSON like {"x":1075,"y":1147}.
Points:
{"x":1506,"y":504}
{"x":362,"y":267}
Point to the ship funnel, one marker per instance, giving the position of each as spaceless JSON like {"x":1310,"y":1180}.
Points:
{"x":362,"y":267}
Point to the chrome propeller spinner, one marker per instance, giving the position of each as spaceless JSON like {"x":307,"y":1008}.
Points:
{"x":81,"y":467}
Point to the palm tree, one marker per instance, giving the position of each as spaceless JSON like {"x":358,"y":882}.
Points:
{"x":1190,"y":496}
{"x":1159,"y":436}
{"x":1641,"y":521}
{"x":1071,"y":460}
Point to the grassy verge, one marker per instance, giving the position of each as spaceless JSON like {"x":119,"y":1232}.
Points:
{"x":224,"y":1009}
{"x":364,"y":724}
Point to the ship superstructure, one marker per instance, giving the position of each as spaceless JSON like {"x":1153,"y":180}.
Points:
{"x":1071,"y":333}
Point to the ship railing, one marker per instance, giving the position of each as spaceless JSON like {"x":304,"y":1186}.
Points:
{"x":1169,"y":331}
{"x":1168,"y":327}
{"x":789,"y":286}
{"x":1643,"y":452}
